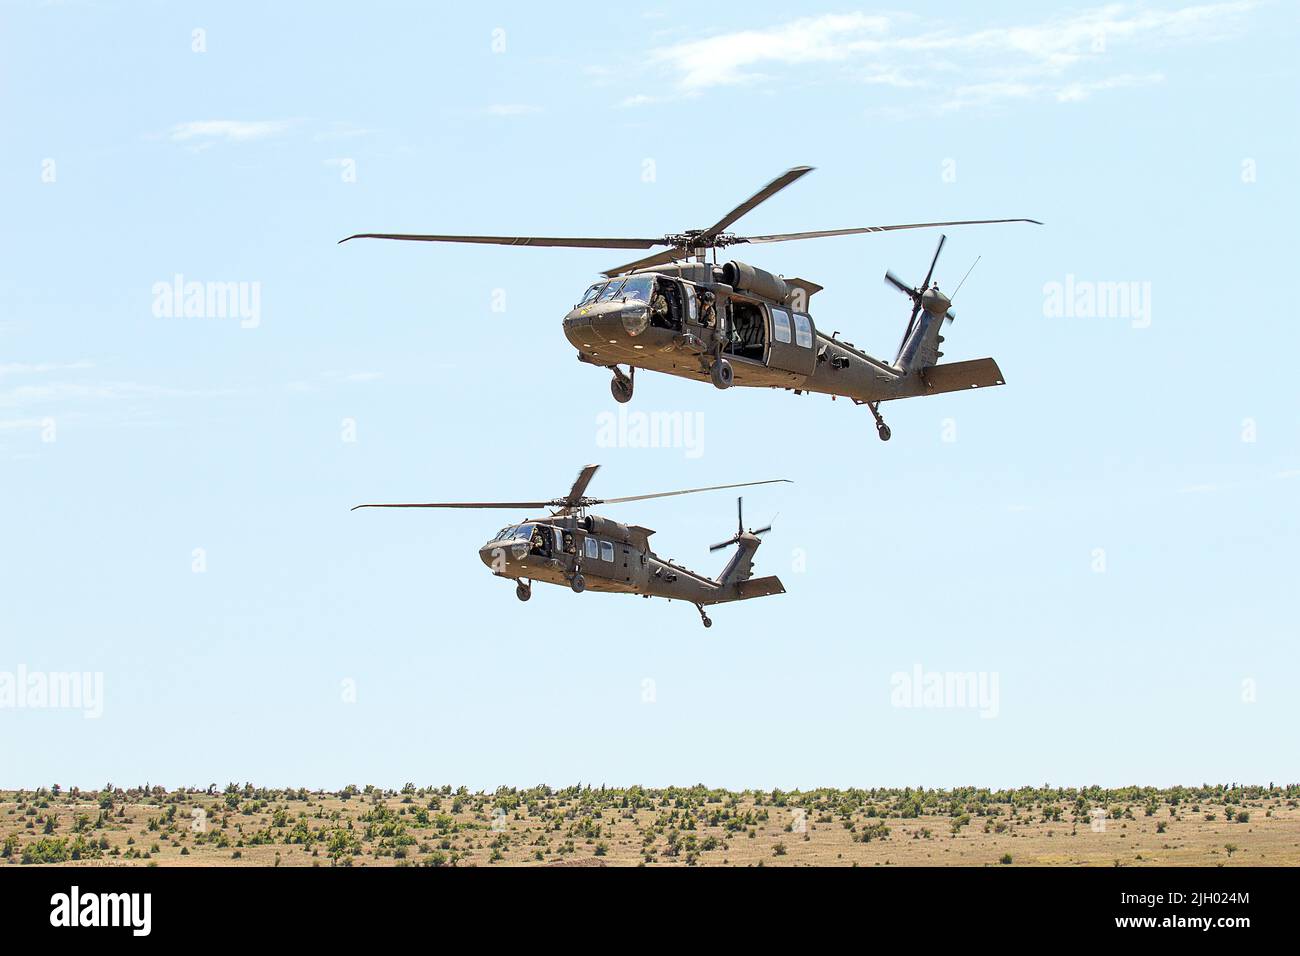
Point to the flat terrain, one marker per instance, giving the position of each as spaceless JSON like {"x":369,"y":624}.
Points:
{"x":438,"y":826}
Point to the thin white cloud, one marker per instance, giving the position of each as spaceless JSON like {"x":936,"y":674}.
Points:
{"x":512,"y":109}
{"x":731,"y":57}
{"x":1077,"y":92}
{"x":353,"y":377}
{"x":336,"y":131}
{"x":14,"y":424}
{"x":963,"y":66}
{"x":38,"y":368}
{"x":229,"y":131}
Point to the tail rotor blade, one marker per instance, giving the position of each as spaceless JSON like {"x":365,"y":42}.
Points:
{"x":762,"y":531}
{"x":740,"y":516}
{"x":722,"y":544}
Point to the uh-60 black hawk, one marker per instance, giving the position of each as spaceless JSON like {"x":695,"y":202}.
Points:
{"x":590,"y":553}
{"x":736,"y":324}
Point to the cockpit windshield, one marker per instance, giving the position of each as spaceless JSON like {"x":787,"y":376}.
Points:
{"x":590,"y":295}
{"x":514,"y":531}
{"x":638,"y":288}
{"x":610,"y":290}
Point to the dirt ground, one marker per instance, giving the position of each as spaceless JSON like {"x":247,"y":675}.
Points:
{"x":439,"y":826}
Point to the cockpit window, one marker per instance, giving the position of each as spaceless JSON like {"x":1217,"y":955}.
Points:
{"x":514,"y":531}
{"x":638,"y":288}
{"x":611,"y":290}
{"x":590,"y":295}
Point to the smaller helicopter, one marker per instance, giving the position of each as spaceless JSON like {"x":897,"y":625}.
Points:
{"x":588,"y":552}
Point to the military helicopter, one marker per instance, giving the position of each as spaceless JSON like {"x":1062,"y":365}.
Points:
{"x":736,"y":324}
{"x":588,"y":552}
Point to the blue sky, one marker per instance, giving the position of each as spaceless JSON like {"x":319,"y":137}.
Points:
{"x":1110,"y":536}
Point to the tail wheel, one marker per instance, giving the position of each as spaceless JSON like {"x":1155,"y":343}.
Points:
{"x":722,"y":374}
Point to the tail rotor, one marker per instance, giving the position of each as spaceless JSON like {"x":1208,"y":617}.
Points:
{"x":925,"y":297}
{"x":740,"y":529}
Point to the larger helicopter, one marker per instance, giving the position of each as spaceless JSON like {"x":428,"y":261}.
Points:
{"x":589,"y":553}
{"x":736,"y":324}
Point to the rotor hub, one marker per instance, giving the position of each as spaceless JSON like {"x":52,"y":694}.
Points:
{"x":935,"y":302}
{"x":694,"y":240}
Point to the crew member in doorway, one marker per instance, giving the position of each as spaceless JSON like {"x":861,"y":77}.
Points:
{"x":708,"y":314}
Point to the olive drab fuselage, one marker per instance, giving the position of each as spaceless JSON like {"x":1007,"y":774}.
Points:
{"x":615,"y":557}
{"x":759,"y":323}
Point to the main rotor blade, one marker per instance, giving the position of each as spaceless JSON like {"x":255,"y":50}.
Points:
{"x":764,"y":194}
{"x":688,"y":491}
{"x":658,"y":259}
{"x":463,"y":504}
{"x":580,"y":485}
{"x":782,"y":237}
{"x":585,"y":242}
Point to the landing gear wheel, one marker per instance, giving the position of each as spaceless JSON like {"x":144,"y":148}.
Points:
{"x":881,"y":428}
{"x":708,"y":622}
{"x":523,"y":591}
{"x":579,"y":584}
{"x":722,"y":374}
{"x":621,"y":386}
{"x":704,"y":618}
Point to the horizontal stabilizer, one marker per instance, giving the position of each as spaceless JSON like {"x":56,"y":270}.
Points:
{"x":760,"y":587}
{"x":958,"y":376}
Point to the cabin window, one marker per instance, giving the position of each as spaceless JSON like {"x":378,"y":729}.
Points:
{"x":802,"y":331}
{"x":781,"y":325}
{"x":591,"y":548}
{"x":607,"y":552}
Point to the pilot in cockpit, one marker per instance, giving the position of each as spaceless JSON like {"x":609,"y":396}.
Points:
{"x":659,"y":307}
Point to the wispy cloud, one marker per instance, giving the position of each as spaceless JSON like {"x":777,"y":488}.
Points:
{"x":512,"y":109}
{"x":735,"y":57}
{"x":1062,"y":58}
{"x":1075,"y":92}
{"x":38,"y":368}
{"x":229,"y":131}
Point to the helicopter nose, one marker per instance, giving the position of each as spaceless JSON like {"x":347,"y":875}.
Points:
{"x":500,"y":556}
